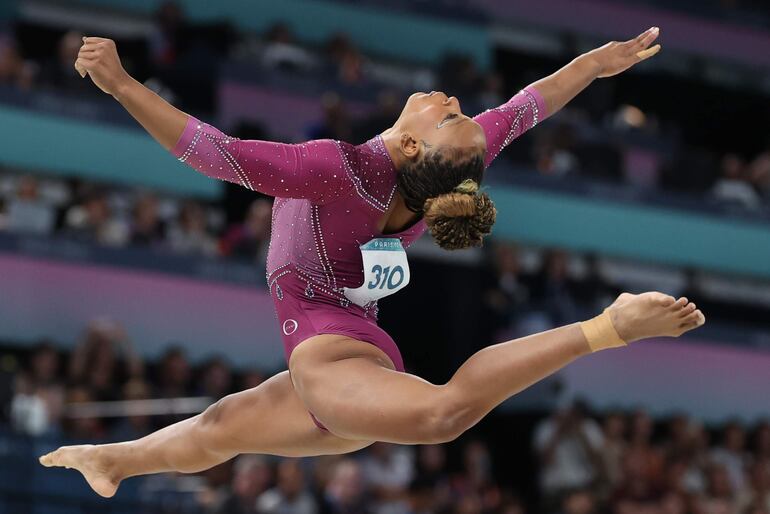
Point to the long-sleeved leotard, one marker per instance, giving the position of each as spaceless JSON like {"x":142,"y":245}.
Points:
{"x":329,"y":198}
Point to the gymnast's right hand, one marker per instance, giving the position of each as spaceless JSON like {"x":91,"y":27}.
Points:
{"x":98,"y":57}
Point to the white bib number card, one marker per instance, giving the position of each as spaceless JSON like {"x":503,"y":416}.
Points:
{"x":386,"y":271}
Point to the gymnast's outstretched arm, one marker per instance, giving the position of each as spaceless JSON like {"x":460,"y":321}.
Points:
{"x":547,"y":96}
{"x":312,"y":170}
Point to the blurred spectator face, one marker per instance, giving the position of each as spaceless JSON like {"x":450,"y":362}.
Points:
{"x":146,"y":213}
{"x":69,"y":46}
{"x":259,"y":219}
{"x":346,"y":484}
{"x":175,"y":370}
{"x":252,"y":379}
{"x":137,"y":389}
{"x":27,"y":189}
{"x":217,"y":379}
{"x":641,"y":427}
{"x":763,"y":440}
{"x":438,"y":120}
{"x":432,"y":458}
{"x":45,"y":364}
{"x":381,"y":451}
{"x":279,"y":33}
{"x":507,"y":259}
{"x":469,"y":504}
{"x":291,"y":479}
{"x":82,"y":428}
{"x":97,"y":210}
{"x":719,"y":485}
{"x":556,"y":264}
{"x":170,"y":17}
{"x":732,"y":166}
{"x":760,"y":477}
{"x":673,"y":504}
{"x":478,"y":463}
{"x":579,"y":502}
{"x":734,"y":437}
{"x":615,"y":426}
{"x":252,"y":476}
{"x":192,"y":218}
{"x":13,"y":69}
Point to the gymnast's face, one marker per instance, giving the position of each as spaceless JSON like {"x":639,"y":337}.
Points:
{"x":433,"y":120}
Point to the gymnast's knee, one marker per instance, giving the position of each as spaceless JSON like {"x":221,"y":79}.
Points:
{"x":444,"y":421}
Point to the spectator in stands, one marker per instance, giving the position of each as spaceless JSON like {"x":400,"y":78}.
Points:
{"x":568,"y":446}
{"x":477,"y":469}
{"x":344,"y":493}
{"x":733,"y":186}
{"x":640,"y":490}
{"x":14,"y":69}
{"x":613,"y":448}
{"x":289,"y":496}
{"x":83,"y":427}
{"x":38,"y":402}
{"x":731,"y":455}
{"x":508,"y":297}
{"x":104,"y":359}
{"x":57,"y":71}
{"x":216,"y":379}
{"x":640,"y":442}
{"x":251,"y":478}
{"x":147,"y":228}
{"x":174,"y":374}
{"x":27,"y":212}
{"x":345,"y":60}
{"x":757,"y":492}
{"x":580,"y":501}
{"x":759,"y":173}
{"x":136,"y":426}
{"x":388,"y":470}
{"x":719,"y":497}
{"x":555,"y":151}
{"x":251,"y":378}
{"x":189,"y":235}
{"x":281,"y":51}
{"x":387,"y":111}
{"x":335,"y":122}
{"x":554,"y":290}
{"x":92,"y":221}
{"x":762,"y":444}
{"x":431,"y":469}
{"x":169,"y":37}
{"x":249,"y":240}
{"x":682,"y":452}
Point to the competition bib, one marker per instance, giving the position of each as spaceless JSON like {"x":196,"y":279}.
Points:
{"x":386,"y":271}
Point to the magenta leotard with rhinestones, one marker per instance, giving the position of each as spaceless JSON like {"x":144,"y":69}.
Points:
{"x":329,"y":196}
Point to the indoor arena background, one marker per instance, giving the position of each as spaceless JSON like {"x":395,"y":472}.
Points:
{"x":125,"y":276}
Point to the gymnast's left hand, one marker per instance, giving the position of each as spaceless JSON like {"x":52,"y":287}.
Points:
{"x":98,"y":57}
{"x":616,"y":57}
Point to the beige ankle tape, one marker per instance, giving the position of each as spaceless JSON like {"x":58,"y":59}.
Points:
{"x":600,"y":332}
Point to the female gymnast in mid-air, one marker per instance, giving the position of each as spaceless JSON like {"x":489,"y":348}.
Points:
{"x":342,"y":217}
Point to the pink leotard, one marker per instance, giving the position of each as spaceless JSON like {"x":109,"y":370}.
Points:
{"x":329,"y":196}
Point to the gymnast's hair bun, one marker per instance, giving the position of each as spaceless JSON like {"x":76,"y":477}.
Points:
{"x":462,"y":218}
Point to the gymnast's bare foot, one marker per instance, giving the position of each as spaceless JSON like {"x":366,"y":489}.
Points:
{"x":92,"y":463}
{"x":653,"y":314}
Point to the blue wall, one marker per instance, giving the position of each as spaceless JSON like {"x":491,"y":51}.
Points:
{"x":96,"y":151}
{"x":646,"y":233}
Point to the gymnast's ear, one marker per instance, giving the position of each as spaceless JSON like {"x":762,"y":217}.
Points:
{"x":409,"y":146}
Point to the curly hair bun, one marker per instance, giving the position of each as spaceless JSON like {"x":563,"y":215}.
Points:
{"x":460,"y":219}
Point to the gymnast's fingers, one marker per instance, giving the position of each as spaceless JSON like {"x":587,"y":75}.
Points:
{"x":646,"y":54}
{"x":82,"y":64}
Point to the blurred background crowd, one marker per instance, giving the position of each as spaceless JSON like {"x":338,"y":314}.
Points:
{"x":690,"y":136}
{"x":583,"y":462}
